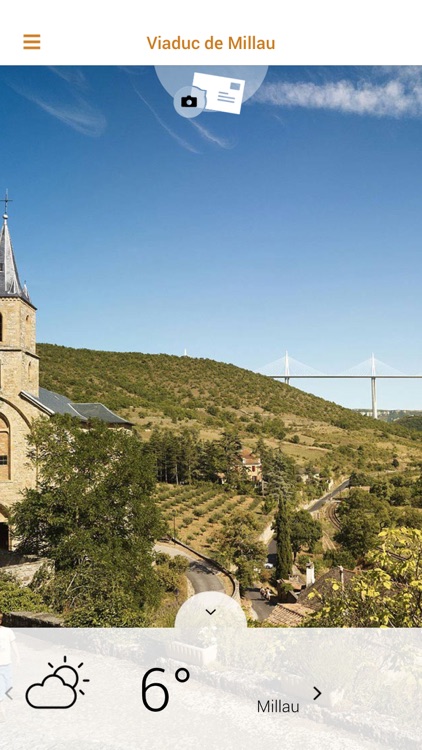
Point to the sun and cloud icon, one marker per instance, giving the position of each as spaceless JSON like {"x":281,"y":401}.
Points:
{"x":58,"y":690}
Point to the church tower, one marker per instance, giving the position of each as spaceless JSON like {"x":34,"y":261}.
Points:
{"x":18,"y":360}
{"x":18,"y":382}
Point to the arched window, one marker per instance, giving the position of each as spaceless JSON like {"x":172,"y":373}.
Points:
{"x":29,"y":371}
{"x":4,"y":449}
{"x":27,"y":332}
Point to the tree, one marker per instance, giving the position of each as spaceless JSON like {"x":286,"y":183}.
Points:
{"x":229,"y":446}
{"x":170,"y":569}
{"x":282,"y":536}
{"x":409,"y":517}
{"x":275,"y":427}
{"x":92,"y":513}
{"x":363,"y":516}
{"x":237,"y":544}
{"x":281,"y":488}
{"x":176,"y":454}
{"x":189,"y":443}
{"x":417,"y":492}
{"x":304,"y":531}
{"x":401,"y":496}
{"x":381,"y":490}
{"x":359,"y":479}
{"x":334,"y":557}
{"x":387,"y":595}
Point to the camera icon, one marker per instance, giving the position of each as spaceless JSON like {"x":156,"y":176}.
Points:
{"x":189,"y":101}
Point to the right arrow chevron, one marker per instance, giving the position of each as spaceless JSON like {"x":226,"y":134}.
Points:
{"x":318,"y":693}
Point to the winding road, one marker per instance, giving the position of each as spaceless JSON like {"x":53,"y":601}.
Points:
{"x":202,"y":575}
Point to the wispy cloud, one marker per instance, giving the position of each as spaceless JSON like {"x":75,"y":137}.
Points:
{"x":62,"y":101}
{"x":72,"y":75}
{"x":390,"y":93}
{"x":207,"y":135}
{"x":181,"y":141}
{"x":80,"y":116}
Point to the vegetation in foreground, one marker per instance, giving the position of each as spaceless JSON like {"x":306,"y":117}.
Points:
{"x":93,"y":516}
{"x":388,"y":593}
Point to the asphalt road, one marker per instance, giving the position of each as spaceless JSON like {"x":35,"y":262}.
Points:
{"x":261,"y":607}
{"x":272,"y":552}
{"x":329,"y":496}
{"x":201,"y":574}
{"x":203,"y":577}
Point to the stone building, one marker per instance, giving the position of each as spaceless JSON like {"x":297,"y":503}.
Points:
{"x":21,"y":398}
{"x":251,"y":464}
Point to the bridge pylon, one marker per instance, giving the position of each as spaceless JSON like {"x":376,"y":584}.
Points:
{"x":286,"y":369}
{"x":374,"y":388}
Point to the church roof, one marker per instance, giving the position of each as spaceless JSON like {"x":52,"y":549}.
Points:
{"x":10,"y":285}
{"x":99,"y":411}
{"x":54,"y":403}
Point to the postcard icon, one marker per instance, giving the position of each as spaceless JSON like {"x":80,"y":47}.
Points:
{"x":222,"y":94}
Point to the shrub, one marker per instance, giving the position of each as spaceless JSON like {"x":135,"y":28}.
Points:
{"x":14,"y":597}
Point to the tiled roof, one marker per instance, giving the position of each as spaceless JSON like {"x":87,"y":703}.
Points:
{"x":289,"y":615}
{"x":323,"y":586}
{"x":294,"y":583}
{"x":248,"y":457}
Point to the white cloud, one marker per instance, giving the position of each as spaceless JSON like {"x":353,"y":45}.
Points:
{"x":398,"y":96}
{"x":57,"y":93}
{"x":80,"y":116}
{"x":181,"y":141}
{"x":207,"y":135}
{"x":71,"y":75}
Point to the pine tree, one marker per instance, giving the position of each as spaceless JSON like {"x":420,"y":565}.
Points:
{"x":281,"y":489}
{"x":282,"y":536}
{"x":230,"y":445}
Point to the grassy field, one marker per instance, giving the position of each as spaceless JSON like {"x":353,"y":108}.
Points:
{"x":195,"y":513}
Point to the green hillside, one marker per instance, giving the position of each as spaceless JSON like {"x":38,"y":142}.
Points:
{"x":167,"y":391}
{"x":411,"y":422}
{"x":181,"y":387}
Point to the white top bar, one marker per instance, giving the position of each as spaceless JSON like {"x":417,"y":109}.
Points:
{"x":310,"y":32}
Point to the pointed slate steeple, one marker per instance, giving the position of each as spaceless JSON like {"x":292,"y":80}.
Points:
{"x":10,"y":285}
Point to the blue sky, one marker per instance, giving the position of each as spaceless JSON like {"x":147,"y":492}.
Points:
{"x":296,"y":225}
